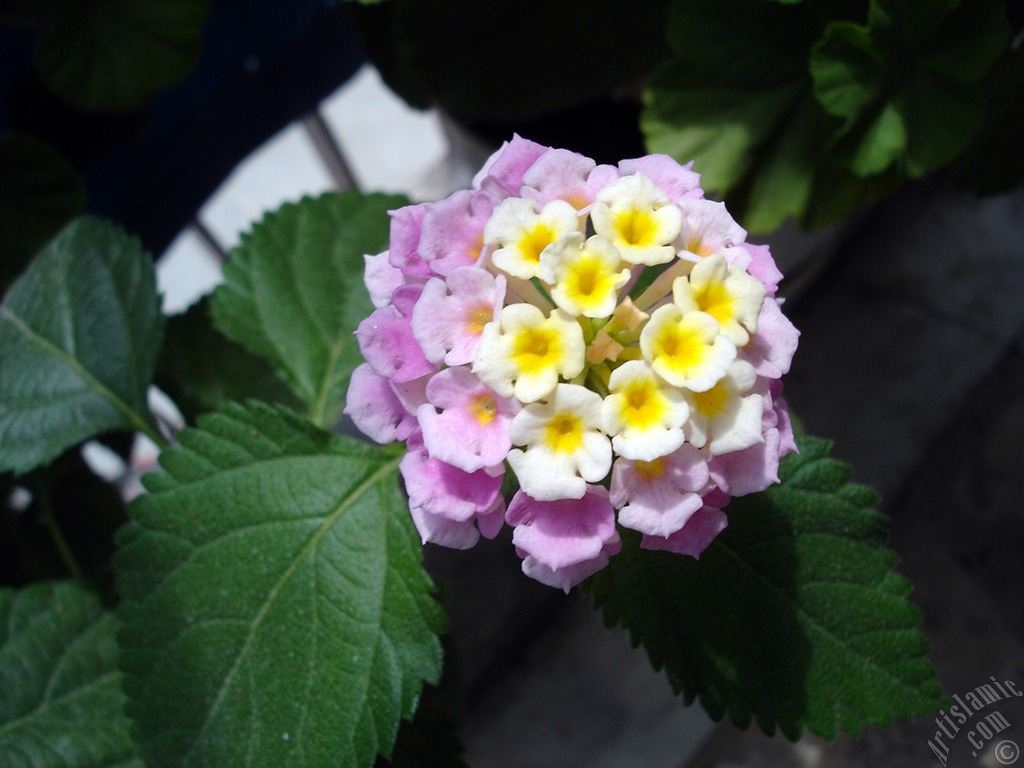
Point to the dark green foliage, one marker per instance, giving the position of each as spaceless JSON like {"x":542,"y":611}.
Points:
{"x":60,"y":692}
{"x":79,"y":336}
{"x":793,"y":617}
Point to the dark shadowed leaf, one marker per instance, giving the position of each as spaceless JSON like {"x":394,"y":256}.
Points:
{"x":201,"y":370}
{"x":115,"y":55}
{"x":60,"y":692}
{"x":39,"y":193}
{"x":793,"y":616}
{"x":906,"y":83}
{"x":516,"y":62}
{"x":737,"y":100}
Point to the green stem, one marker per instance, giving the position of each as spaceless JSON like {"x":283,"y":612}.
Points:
{"x":43,"y":494}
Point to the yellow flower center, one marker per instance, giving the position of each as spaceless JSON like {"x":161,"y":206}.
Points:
{"x":649,"y":470}
{"x":535,"y":349}
{"x":484,"y":408}
{"x":679,"y":349}
{"x":564,"y":433}
{"x":535,"y":241}
{"x":477,"y":317}
{"x":715,"y":299}
{"x":636,"y":226}
{"x":713,"y":401}
{"x":644,"y":406}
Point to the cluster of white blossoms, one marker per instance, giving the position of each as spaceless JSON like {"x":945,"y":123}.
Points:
{"x":603,"y":331}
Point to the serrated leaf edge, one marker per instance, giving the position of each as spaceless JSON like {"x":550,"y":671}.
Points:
{"x":356,"y":493}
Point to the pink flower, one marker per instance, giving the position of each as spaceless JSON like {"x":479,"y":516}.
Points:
{"x":604,"y":331}
{"x":562,"y":542}
{"x":406,"y":224}
{"x":559,"y":174}
{"x":452,"y":233}
{"x":446,"y":501}
{"x":375,"y":408}
{"x":708,"y":228}
{"x":381,"y":278}
{"x":693,"y":538}
{"x":658,"y":497}
{"x":675,"y":180}
{"x":502,"y":174}
{"x":386,"y":341}
{"x":762,"y":266}
{"x":472,"y":430}
{"x":773,"y":344}
{"x":450,"y":315}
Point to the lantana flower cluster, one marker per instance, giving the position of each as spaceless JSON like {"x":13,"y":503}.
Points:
{"x":603,"y":332}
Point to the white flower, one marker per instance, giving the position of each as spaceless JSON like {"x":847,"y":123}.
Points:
{"x":643,"y":413}
{"x":565,"y":448}
{"x":524,"y":353}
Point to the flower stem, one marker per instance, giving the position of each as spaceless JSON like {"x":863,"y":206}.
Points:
{"x":43,"y":495}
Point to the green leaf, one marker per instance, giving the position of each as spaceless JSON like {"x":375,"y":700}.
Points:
{"x":792,"y":617}
{"x":737,"y":100}
{"x":201,"y":370}
{"x":79,"y":336}
{"x":293,"y":291}
{"x":541,"y":56}
{"x":276,"y":609}
{"x":39,"y":193}
{"x":60,"y":692}
{"x":115,"y":55}
{"x":905,"y":84}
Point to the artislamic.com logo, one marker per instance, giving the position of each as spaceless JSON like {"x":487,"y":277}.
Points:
{"x":982,"y":731}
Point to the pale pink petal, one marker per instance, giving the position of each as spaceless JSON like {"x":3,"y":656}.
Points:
{"x":449,"y":317}
{"x":441,"y":489}
{"x":375,"y":409}
{"x":787,"y":440}
{"x":762,"y":266}
{"x":436,"y":529}
{"x":404,"y":240}
{"x":411,"y":394}
{"x":404,"y":298}
{"x":453,"y":230}
{"x":675,"y":180}
{"x":568,"y":577}
{"x":502,"y":174}
{"x":560,"y":174}
{"x":460,"y":435}
{"x":381,"y":278}
{"x":708,"y":228}
{"x":772,"y":346}
{"x":660,"y":504}
{"x":386,"y":341}
{"x":562,"y":533}
{"x":748,"y":471}
{"x":491,"y":521}
{"x":699,"y":531}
